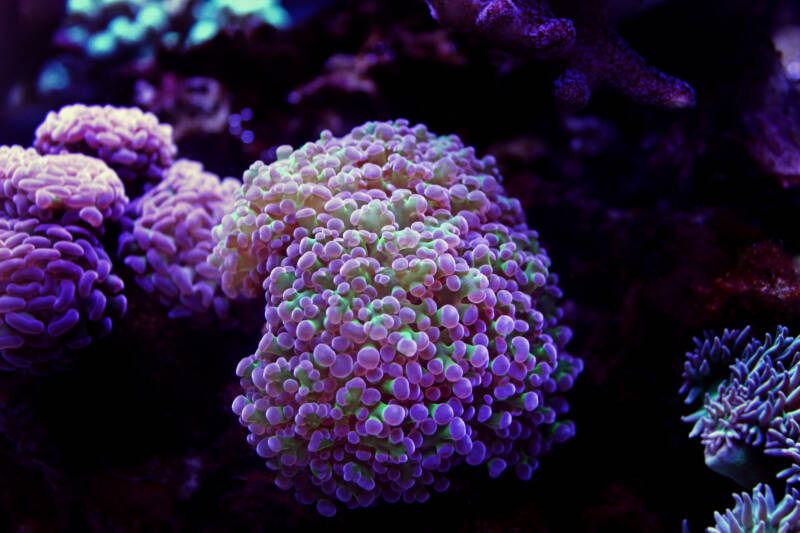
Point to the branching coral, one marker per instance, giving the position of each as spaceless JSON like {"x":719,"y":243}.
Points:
{"x":168,"y":239}
{"x":602,"y":59}
{"x":67,"y":188}
{"x":749,"y":420}
{"x":759,"y":513}
{"x":596,"y":56}
{"x":411,"y":318}
{"x":132,"y":142}
{"x":56,"y":291}
{"x":529,"y":24}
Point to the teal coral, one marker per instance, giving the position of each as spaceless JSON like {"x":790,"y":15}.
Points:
{"x":215,"y":16}
{"x":103,"y":29}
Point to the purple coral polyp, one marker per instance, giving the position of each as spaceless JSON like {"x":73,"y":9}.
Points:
{"x":67,"y":188}
{"x":56,"y":291}
{"x":130,"y":141}
{"x":168,"y":239}
{"x":411,"y":318}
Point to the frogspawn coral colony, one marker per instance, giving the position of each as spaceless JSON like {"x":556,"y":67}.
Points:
{"x":58,"y":286}
{"x":411,"y":318}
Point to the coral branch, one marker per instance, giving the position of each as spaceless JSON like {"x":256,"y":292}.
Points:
{"x":596,"y":56}
{"x":527,"y":24}
{"x":602,"y":59}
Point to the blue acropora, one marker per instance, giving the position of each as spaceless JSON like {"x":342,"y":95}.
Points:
{"x":748,"y":422}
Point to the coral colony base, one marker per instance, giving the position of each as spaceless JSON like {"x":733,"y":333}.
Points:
{"x":412,"y":319}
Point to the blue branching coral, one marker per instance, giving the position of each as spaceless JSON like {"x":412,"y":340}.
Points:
{"x":412,"y":318}
{"x":748,"y":422}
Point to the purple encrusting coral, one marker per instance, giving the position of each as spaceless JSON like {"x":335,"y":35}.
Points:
{"x":168,"y":238}
{"x":67,"y":188}
{"x":412,"y":319}
{"x":56,"y":292}
{"x":130,"y":141}
{"x":749,"y":422}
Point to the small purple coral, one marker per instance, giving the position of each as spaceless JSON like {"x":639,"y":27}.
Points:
{"x":67,"y":188}
{"x":168,"y":239}
{"x":56,"y":292}
{"x":130,"y":141}
{"x":412,"y":319}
